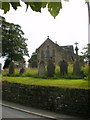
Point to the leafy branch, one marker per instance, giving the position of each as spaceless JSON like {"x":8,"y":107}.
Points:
{"x":53,"y":7}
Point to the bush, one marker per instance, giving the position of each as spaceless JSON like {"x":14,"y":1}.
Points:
{"x":85,"y":70}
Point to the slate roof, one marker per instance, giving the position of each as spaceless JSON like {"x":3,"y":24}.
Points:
{"x":68,"y":47}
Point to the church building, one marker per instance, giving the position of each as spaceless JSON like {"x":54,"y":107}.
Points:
{"x":49,"y":49}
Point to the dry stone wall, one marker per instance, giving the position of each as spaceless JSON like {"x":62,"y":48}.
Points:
{"x":61,"y":100}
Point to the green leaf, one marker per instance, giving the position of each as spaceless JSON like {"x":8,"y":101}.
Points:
{"x":29,"y":4}
{"x":15,"y":4}
{"x":5,"y":6}
{"x":54,"y":8}
{"x":35,"y":6}
{"x":44,"y":4}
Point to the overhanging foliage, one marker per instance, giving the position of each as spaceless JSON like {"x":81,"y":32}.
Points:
{"x":53,"y":7}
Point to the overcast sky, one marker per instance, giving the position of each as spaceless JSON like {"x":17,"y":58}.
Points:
{"x":70,"y":26}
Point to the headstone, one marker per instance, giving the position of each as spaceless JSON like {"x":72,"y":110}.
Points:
{"x":50,"y":68}
{"x":76,"y":68}
{"x":22,"y":70}
{"x":76,"y":65}
{"x":63,"y":67}
{"x":41,"y":69}
{"x":11,"y":68}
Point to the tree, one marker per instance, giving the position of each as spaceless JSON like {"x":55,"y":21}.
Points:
{"x":33,"y":61}
{"x":86,"y":53}
{"x":14,"y":45}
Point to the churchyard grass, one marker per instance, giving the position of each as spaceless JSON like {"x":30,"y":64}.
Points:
{"x":30,"y":77}
{"x":68,"y":83}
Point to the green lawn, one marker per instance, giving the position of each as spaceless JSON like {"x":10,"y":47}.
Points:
{"x":72,"y":83}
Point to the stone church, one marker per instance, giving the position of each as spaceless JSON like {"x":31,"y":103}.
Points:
{"x":49,"y":49}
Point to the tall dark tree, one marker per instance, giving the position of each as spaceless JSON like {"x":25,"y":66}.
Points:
{"x":33,"y":61}
{"x":14,"y":45}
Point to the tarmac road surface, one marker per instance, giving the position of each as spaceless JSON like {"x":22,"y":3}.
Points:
{"x":12,"y":113}
{"x":19,"y":112}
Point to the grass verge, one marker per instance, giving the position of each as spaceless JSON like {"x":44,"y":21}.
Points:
{"x":67,"y":83}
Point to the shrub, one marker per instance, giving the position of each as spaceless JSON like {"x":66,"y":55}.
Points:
{"x":85,"y":70}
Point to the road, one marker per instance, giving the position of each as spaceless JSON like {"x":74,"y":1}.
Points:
{"x":12,"y":110}
{"x":12,"y":113}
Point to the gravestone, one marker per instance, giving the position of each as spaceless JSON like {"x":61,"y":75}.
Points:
{"x":22,"y":70}
{"x":76,"y":65}
{"x":41,"y":72}
{"x":50,"y":68}
{"x":63,"y":67}
{"x":11,"y":68}
{"x":76,"y":68}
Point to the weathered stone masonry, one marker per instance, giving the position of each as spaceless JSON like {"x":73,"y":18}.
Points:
{"x":65,"y":100}
{"x":58,"y":53}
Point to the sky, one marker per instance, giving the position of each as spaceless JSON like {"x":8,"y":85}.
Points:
{"x":70,"y":26}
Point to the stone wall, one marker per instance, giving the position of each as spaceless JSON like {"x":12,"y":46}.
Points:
{"x":44,"y":48}
{"x":61,"y":100}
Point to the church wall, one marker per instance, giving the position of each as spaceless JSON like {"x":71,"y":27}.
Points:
{"x":50,"y":49}
{"x":44,"y":48}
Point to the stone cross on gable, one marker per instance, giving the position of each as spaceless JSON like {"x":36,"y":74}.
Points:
{"x":48,"y":37}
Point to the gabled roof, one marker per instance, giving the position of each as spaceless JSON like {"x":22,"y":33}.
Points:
{"x":46,"y":41}
{"x":68,"y":47}
{"x":61,"y":48}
